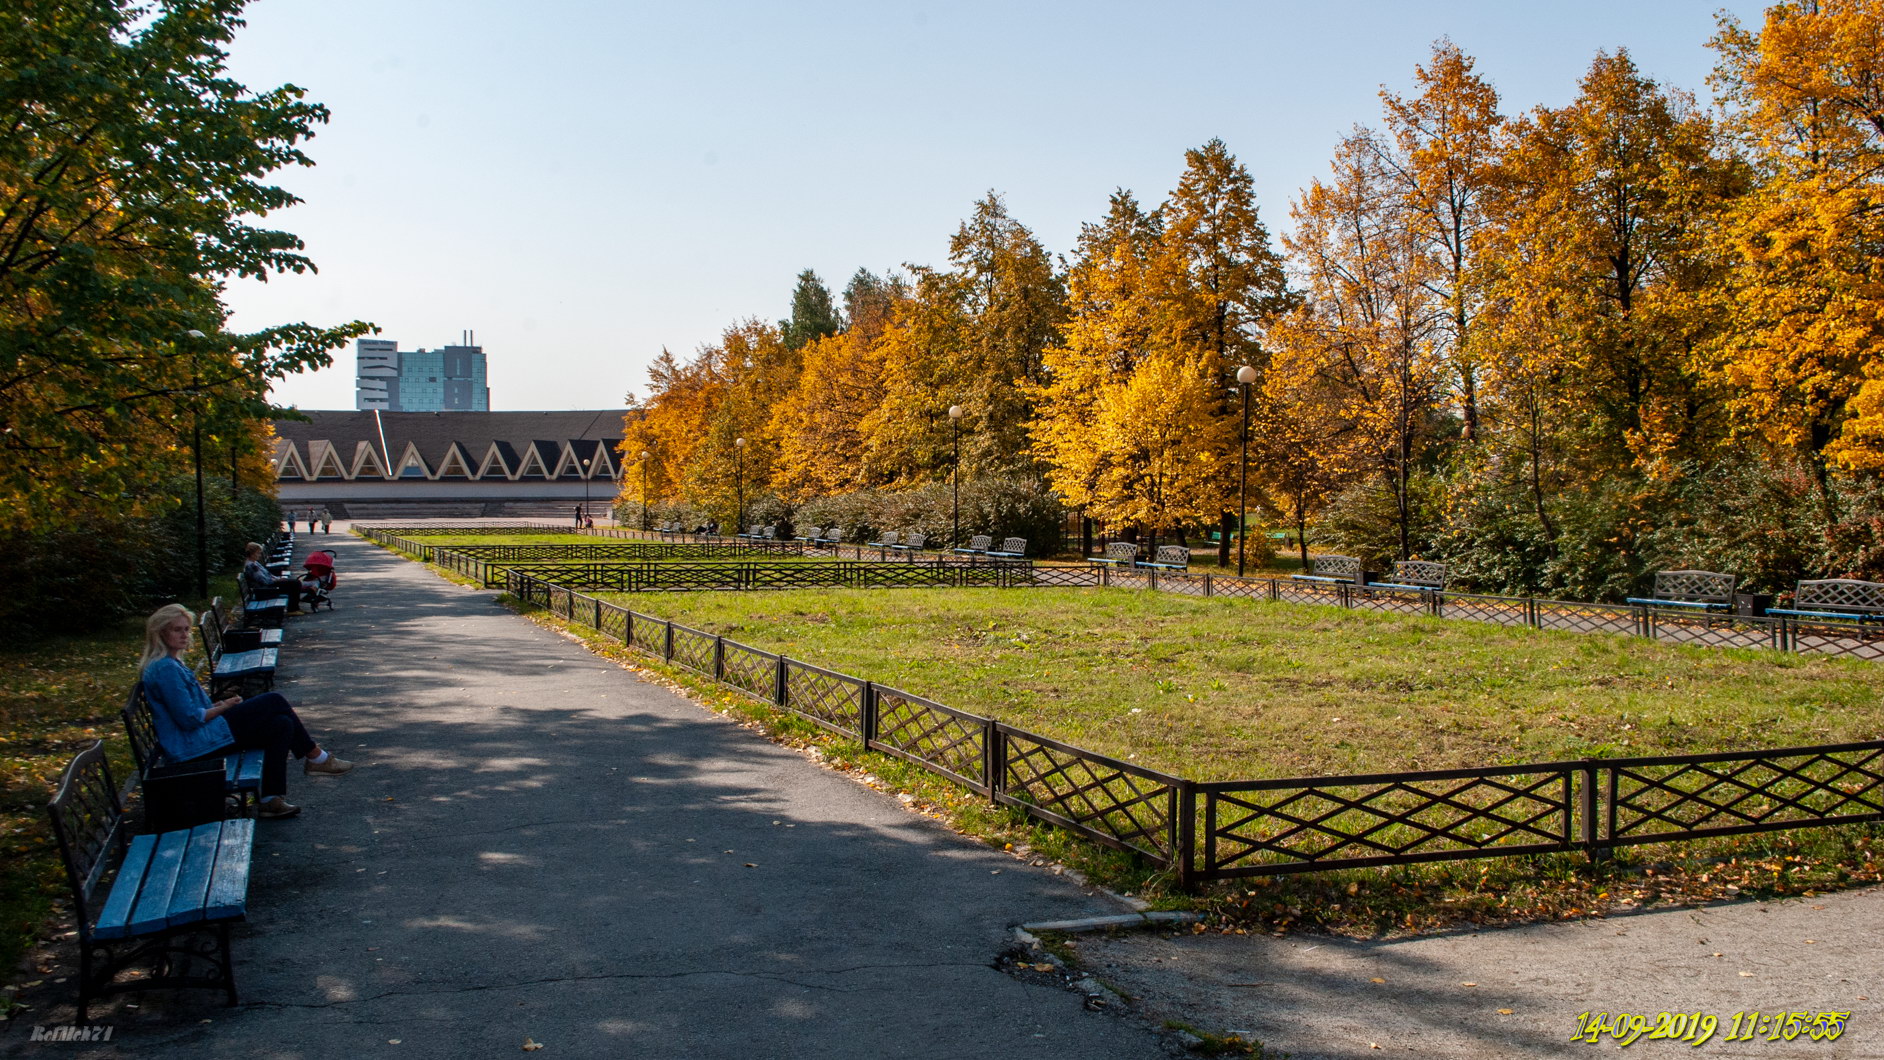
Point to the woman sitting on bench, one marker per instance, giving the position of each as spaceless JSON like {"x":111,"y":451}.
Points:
{"x":262,"y":582}
{"x":190,"y":726}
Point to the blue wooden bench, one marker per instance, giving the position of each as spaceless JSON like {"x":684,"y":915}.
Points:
{"x":236,"y":671}
{"x":977,"y":546}
{"x":1117,"y":554}
{"x":1838,"y":599}
{"x":1332,"y":569}
{"x":242,"y":771}
{"x":1011,"y":548}
{"x":1415,"y":575}
{"x":260,"y":610}
{"x":883,"y":544}
{"x":1691,"y":590}
{"x":912,"y":544}
{"x":170,"y":902}
{"x":1169,"y":557}
{"x":264,"y":638}
{"x":832,"y":537}
{"x":810,"y":540}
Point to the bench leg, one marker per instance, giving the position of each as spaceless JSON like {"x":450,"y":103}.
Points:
{"x":228,"y":963}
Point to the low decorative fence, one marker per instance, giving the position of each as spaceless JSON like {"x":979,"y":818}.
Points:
{"x":1777,"y":632}
{"x":1220,"y":830}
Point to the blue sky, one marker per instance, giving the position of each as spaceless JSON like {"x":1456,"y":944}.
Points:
{"x":583,"y":183}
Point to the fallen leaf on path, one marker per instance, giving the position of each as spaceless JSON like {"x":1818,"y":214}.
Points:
{"x":1504,"y":1012}
{"x":1376,"y":979}
{"x":1746,"y":975}
{"x":1468,"y":984}
{"x":531,"y":1045}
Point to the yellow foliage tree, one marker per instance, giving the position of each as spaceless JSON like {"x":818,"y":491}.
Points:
{"x":1803,"y":355}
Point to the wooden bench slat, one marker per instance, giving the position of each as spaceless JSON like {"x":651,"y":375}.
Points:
{"x":116,"y":915}
{"x":199,"y":859}
{"x":229,"y":886}
{"x":247,"y":662}
{"x":160,"y":881}
{"x":246,"y":771}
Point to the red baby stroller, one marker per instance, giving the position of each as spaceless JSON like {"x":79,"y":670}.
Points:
{"x":317,"y":584}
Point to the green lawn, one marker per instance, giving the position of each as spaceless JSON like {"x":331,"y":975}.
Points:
{"x":56,"y":697}
{"x":1218,"y":689}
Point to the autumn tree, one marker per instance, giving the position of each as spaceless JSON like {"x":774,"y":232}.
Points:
{"x":1802,"y":352}
{"x":1366,"y":334}
{"x":131,"y":169}
{"x":1441,"y":149}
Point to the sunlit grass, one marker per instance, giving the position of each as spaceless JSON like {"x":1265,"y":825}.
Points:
{"x":1222,"y":689}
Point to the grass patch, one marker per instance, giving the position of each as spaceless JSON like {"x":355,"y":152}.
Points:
{"x":1223,"y":689}
{"x":56,"y":697}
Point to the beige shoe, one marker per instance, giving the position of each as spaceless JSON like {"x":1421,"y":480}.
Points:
{"x":275,"y":808}
{"x":333,"y":767}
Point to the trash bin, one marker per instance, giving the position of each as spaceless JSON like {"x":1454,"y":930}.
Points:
{"x":184,"y":795}
{"x":1753,"y":605}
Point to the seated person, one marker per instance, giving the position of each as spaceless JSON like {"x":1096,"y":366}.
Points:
{"x":263,"y":584}
{"x":190,"y":726}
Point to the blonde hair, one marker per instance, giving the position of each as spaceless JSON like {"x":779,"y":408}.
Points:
{"x":154,"y":648}
{"x":253,"y":549}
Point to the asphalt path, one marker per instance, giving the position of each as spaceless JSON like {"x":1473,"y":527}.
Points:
{"x":1518,"y":992}
{"x":539,"y":845}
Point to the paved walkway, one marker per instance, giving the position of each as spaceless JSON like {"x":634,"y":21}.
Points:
{"x":540,"y":845}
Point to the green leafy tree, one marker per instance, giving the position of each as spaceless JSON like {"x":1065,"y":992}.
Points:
{"x":131,"y":169}
{"x":813,"y":314}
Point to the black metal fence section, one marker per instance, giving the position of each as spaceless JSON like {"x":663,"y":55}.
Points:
{"x":1230,"y":829}
{"x":727,"y":577}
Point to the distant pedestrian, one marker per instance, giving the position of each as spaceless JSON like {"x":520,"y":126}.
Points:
{"x":327,"y":521}
{"x":578,"y":516}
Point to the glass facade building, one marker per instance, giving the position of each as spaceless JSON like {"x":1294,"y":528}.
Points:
{"x":448,"y":379}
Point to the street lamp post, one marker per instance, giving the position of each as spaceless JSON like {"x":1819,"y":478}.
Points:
{"x":1244,"y":377}
{"x":955,"y":478}
{"x":196,"y":457}
{"x":644,"y":490}
{"x":585,"y":487}
{"x":739,"y":483}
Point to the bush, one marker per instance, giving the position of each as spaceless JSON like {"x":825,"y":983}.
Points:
{"x":75,"y":578}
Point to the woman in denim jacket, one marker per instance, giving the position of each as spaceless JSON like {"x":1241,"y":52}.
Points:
{"x":190,"y":726}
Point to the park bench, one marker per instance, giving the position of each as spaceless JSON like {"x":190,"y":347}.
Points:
{"x":977,"y":545}
{"x":1169,"y":557}
{"x":1697,"y":590}
{"x":241,"y":770}
{"x":811,"y":537}
{"x":833,"y":536}
{"x":1836,"y":598}
{"x":235,"y":670}
{"x":171,"y":898}
{"x":260,"y":610}
{"x":1332,"y":569}
{"x":1117,"y":554}
{"x":751,"y":534}
{"x":235,"y":636}
{"x":913,"y":544}
{"x":1416,"y":575}
{"x":884,"y":543}
{"x":1011,"y":548}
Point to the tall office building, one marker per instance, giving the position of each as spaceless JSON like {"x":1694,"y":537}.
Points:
{"x":448,"y":379}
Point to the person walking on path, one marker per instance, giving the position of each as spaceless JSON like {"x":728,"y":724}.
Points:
{"x":190,"y":726}
{"x":327,"y":520}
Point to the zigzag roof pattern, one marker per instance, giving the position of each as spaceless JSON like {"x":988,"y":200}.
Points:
{"x":460,"y":446}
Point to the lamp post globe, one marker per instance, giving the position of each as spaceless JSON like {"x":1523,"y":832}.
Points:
{"x":1244,"y":377}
